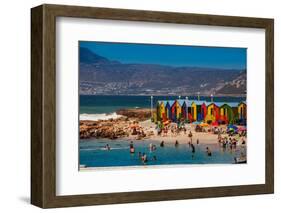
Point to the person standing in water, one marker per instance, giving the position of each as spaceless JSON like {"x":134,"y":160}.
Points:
{"x":209,"y":153}
{"x":190,"y":136}
{"x":150,"y":147}
{"x":192,"y":150}
{"x":107,"y":147}
{"x":176,"y":143}
{"x":144,"y":158}
{"x":162,"y":144}
{"x":132,"y":149}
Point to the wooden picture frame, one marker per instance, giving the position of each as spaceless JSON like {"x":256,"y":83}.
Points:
{"x":43,"y":105}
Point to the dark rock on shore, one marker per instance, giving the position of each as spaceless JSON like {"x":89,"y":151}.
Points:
{"x":140,"y":114}
{"x":112,"y":129}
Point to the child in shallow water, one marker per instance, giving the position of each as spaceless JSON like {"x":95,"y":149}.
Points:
{"x":107,"y":147}
{"x":144,"y":158}
{"x":209,"y":153}
{"x":132,"y":149}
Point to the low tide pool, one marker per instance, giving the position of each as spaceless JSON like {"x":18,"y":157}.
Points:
{"x":94,"y":154}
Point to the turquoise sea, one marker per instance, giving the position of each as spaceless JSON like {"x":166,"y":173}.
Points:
{"x":94,"y":154}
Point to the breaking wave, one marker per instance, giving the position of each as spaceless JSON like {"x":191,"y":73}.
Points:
{"x":96,"y":117}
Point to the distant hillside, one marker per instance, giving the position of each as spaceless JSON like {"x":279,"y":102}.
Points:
{"x":236,"y":86}
{"x":99,"y":75}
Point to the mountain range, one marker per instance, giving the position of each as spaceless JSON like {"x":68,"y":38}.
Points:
{"x":101,"y":76}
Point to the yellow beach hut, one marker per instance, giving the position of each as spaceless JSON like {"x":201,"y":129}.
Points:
{"x":213,"y":111}
{"x":194,"y":111}
{"x":242,"y":110}
{"x":160,"y":110}
{"x":178,"y":110}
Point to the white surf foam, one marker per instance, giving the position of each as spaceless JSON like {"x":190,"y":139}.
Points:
{"x":96,"y":117}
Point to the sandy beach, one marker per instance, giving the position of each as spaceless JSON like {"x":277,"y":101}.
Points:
{"x":182,"y":137}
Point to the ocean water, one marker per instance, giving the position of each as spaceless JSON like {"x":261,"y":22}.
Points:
{"x":94,"y":154}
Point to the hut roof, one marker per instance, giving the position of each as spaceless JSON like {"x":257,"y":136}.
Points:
{"x":171,"y":102}
{"x":207,"y":103}
{"x":242,"y":102}
{"x":198,"y":102}
{"x":232,"y":104}
{"x":165,"y":102}
{"x":188,"y":103}
{"x":183,"y":101}
{"x":219,"y":104}
{"x":160,"y":102}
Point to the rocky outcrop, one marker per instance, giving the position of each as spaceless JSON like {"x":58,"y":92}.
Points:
{"x":104,"y":129}
{"x":137,"y":114}
{"x":124,"y":126}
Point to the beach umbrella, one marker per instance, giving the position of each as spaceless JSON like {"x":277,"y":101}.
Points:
{"x":230,"y":126}
{"x":204,"y":124}
{"x":242,"y":128}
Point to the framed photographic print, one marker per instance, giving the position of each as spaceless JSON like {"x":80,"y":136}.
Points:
{"x":137,"y":106}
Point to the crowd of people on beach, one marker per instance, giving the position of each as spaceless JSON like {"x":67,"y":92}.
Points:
{"x":227,"y":141}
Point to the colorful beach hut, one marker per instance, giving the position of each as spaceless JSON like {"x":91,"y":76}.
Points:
{"x":184,"y":108}
{"x":226,"y":114}
{"x":194,"y":110}
{"x":213,"y":112}
{"x":174,"y":111}
{"x":168,"y":110}
{"x":234,"y":107}
{"x":201,"y":110}
{"x":161,"y":112}
{"x":178,"y":110}
{"x":242,"y":110}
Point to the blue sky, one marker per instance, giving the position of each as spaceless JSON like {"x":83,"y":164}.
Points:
{"x":172,"y":55}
